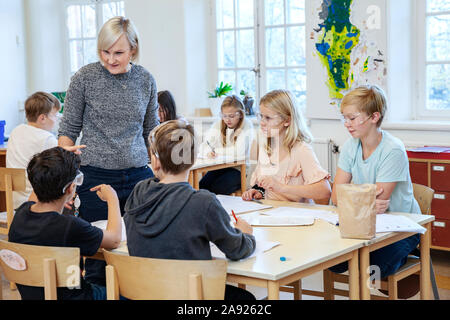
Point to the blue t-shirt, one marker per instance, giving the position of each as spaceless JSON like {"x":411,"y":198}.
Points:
{"x":388,"y":163}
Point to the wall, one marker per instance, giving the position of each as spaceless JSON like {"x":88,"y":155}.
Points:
{"x":175,"y":48}
{"x":12,"y":54}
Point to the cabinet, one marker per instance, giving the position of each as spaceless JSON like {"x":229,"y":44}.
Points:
{"x":433,"y":170}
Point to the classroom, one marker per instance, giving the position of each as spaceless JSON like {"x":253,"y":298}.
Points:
{"x":311,"y":138}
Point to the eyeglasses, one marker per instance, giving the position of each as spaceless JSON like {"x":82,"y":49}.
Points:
{"x":352,"y":117}
{"x":230,"y":116}
{"x":78,"y":181}
{"x":263,"y":118}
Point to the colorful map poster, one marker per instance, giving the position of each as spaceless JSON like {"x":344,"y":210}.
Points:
{"x":347,"y":41}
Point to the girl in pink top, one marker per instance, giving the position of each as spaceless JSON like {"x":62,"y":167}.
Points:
{"x":287,"y":167}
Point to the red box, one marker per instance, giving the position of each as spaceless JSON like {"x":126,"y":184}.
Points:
{"x":440,"y":233}
{"x":419,"y":172}
{"x":440,"y":206}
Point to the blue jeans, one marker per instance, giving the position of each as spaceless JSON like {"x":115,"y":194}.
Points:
{"x":389,"y":259}
{"x":222,"y":181}
{"x":93,"y":209}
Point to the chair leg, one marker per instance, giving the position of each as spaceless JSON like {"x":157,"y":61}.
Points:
{"x":433,"y":282}
{"x":392,"y":288}
{"x":328,"y":285}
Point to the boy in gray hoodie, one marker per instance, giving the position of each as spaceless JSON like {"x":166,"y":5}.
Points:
{"x":166,"y":218}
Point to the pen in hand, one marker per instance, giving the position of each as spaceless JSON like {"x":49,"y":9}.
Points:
{"x":212,"y":148}
{"x":234,"y":215}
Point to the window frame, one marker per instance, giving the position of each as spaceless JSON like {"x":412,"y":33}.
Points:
{"x":67,"y":39}
{"x":259,"y":28}
{"x":421,"y":64}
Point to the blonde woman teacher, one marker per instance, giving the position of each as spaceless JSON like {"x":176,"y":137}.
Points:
{"x":114,"y":103}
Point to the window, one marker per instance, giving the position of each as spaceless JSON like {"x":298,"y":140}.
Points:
{"x":434,"y":59}
{"x":84,"y":20}
{"x":261,"y":46}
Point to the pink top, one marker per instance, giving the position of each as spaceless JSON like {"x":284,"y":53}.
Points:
{"x":300,"y":167}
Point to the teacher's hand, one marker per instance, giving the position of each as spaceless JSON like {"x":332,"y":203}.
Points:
{"x":75,"y":149}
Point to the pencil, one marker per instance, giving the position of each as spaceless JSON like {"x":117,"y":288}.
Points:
{"x":234,"y":215}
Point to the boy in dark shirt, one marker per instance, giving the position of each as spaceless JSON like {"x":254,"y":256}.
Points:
{"x":54,"y":175}
{"x":166,"y":218}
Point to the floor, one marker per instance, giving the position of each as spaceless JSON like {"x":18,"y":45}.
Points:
{"x":441,"y":264}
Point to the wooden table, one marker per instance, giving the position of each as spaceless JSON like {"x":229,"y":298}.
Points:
{"x":384,"y":239}
{"x":308,"y":249}
{"x":202,"y":166}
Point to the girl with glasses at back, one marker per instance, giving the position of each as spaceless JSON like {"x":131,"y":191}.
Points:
{"x":287,"y":167}
{"x":231,"y":137}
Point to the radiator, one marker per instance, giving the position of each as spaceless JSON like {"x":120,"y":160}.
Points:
{"x":327,"y":153}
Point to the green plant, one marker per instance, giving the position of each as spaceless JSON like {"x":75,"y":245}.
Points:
{"x":221,"y":90}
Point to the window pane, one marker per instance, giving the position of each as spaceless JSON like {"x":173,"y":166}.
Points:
{"x":275,"y":80}
{"x":244,"y":13}
{"x":228,"y":77}
{"x":295,"y":46}
{"x":275,"y":47}
{"x":246,"y":82}
{"x":90,"y":51}
{"x":297,"y":85}
{"x":74,"y":21}
{"x":274,"y":12}
{"x":438,"y":38}
{"x":245,"y":49}
{"x":438,"y":5}
{"x":295,"y":11}
{"x":89,"y":24}
{"x":225,"y":49}
{"x":76,"y":55}
{"x":438,"y":87}
{"x":225,"y":15}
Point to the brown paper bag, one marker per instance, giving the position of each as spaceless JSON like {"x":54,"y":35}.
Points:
{"x":356,"y":209}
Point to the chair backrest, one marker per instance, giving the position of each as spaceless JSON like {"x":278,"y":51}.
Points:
{"x":424,"y":196}
{"x":40,"y":266}
{"x":139,"y":278}
{"x":11,"y":180}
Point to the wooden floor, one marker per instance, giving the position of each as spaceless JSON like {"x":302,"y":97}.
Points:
{"x":441,"y":265}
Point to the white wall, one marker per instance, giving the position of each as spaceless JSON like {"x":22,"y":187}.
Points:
{"x":174,"y":46}
{"x":12,"y":54}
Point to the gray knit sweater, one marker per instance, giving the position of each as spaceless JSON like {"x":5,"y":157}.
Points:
{"x":115,"y":113}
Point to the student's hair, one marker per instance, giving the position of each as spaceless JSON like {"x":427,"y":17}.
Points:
{"x":50,"y":171}
{"x":167,"y":103}
{"x":174,"y":144}
{"x":283,"y":103}
{"x":40,"y":103}
{"x":235,"y":102}
{"x":111,"y":32}
{"x":368,"y":99}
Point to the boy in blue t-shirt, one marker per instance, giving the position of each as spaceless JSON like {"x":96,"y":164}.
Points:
{"x":375,"y":156}
{"x":54,"y":175}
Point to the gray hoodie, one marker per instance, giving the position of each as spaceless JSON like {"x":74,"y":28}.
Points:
{"x":174,"y":221}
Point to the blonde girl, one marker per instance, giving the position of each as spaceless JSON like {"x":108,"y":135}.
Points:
{"x":231,"y":138}
{"x":287,"y":167}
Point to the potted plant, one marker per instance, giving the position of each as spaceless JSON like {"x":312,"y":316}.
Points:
{"x":217,"y":96}
{"x":248,"y":101}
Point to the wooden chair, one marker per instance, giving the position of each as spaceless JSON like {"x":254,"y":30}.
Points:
{"x":47,"y":267}
{"x":10,"y":180}
{"x":424,"y":196}
{"x":139,"y":278}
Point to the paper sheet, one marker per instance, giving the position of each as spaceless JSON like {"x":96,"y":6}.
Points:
{"x":238,"y":205}
{"x":261,"y":247}
{"x":260,"y":219}
{"x":102,"y":225}
{"x":329,"y":216}
{"x":397,"y":223}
